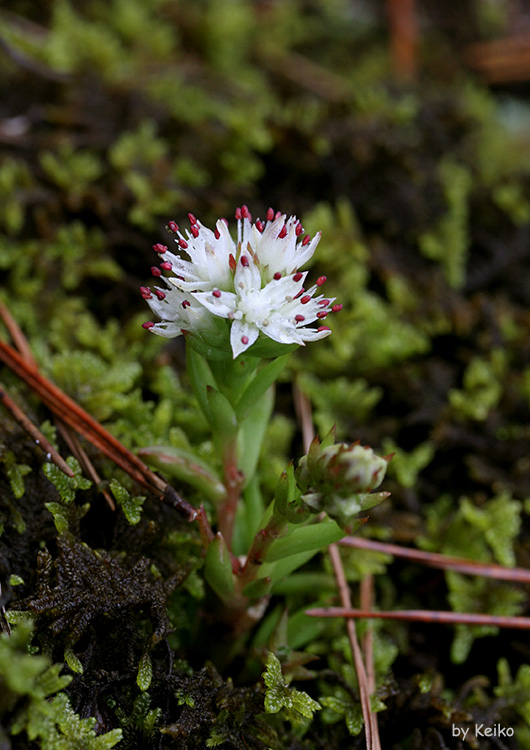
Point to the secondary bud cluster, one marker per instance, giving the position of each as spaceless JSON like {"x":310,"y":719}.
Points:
{"x":337,"y":479}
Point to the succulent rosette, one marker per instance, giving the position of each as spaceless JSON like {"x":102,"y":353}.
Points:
{"x":253,"y":283}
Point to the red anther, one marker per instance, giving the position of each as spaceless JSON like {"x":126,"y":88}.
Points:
{"x":145,"y":292}
{"x":156,"y":271}
{"x":244,"y":340}
{"x":192,"y":219}
{"x":283,"y":233}
{"x":160,"y":294}
{"x":245,"y":213}
{"x":298,"y":276}
{"x":323,"y":302}
{"x":305,"y":299}
{"x":166,"y":265}
{"x":299,"y":229}
{"x":185,"y":303}
{"x":232,"y":262}
{"x":321,"y":280}
{"x":217,"y":233}
{"x":270,"y":214}
{"x":194,"y":230}
{"x":336,"y":308}
{"x":173,"y":227}
{"x":306,"y":240}
{"x":322,"y":314}
{"x":277,"y":276}
{"x":277,"y":214}
{"x":244,"y":261}
{"x":260,"y":226}
{"x":299,"y":294}
{"x":183,"y":244}
{"x":323,"y":328}
{"x":159,"y":248}
{"x":299,"y":318}
{"x":216,"y":293}
{"x":238,"y":213}
{"x":148,"y":324}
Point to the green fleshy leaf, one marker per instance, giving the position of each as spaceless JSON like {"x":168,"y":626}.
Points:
{"x":218,"y":569}
{"x":187,"y":467}
{"x":200,"y":377}
{"x":251,"y":433}
{"x":305,"y":539}
{"x":223,"y":416}
{"x":258,"y":588}
{"x":259,"y":385}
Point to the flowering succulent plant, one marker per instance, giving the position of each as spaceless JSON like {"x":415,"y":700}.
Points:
{"x":254,"y":283}
{"x":240,"y":302}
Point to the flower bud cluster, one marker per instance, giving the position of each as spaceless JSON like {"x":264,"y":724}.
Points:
{"x":337,"y":479}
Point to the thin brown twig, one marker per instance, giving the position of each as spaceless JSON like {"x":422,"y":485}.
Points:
{"x":424,"y":615}
{"x":444,"y":562}
{"x":366,"y":596}
{"x":36,"y":435}
{"x":370,"y":719}
{"x":302,"y":406}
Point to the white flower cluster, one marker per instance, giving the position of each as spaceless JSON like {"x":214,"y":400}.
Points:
{"x":255,"y":282}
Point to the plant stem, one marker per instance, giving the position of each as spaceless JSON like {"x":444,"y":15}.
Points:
{"x":233,"y":482}
{"x":262,"y":541}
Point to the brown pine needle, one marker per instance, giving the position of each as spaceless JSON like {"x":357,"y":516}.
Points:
{"x":444,"y":562}
{"x":36,"y":435}
{"x":76,"y":417}
{"x":366,"y":595}
{"x":423,"y":615}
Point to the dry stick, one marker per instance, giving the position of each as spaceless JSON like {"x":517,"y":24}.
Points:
{"x":423,"y":615}
{"x":71,"y":413}
{"x":367,"y":603}
{"x":302,"y":406}
{"x":370,"y":721}
{"x":445,"y":562}
{"x":35,"y":434}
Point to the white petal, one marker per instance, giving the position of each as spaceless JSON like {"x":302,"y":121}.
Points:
{"x":223,"y":306}
{"x":167,"y":330}
{"x":238,"y":330}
